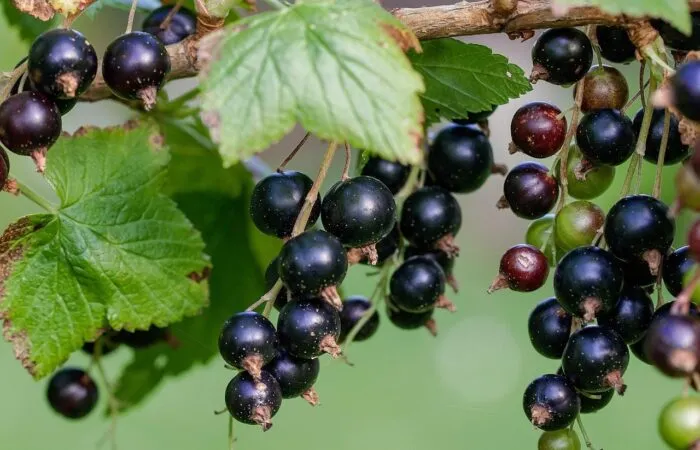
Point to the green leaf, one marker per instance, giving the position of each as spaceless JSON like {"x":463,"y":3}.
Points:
{"x":27,"y":26}
{"x":116,"y":252}
{"x":675,"y":12}
{"x":219,"y":209}
{"x":336,"y":67}
{"x":461,"y":78}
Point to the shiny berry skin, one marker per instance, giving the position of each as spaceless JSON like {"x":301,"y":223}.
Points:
{"x":309,"y":328}
{"x":135,"y":66}
{"x":429,"y":216}
{"x":141,"y":338}
{"x":393,"y":174}
{"x":677,"y":40}
{"x":538,"y":235}
{"x":631,"y":317}
{"x":565,"y":439}
{"x":676,"y":265}
{"x":595,"y":359}
{"x":64,"y":105}
{"x":672,"y":344}
{"x":530,"y":190}
{"x":294,"y":375}
{"x":460,"y":159}
{"x":685,"y":85}
{"x":312,"y":261}
{"x":587,"y":180}
{"x":277,"y":200}
{"x":359,"y":211}
{"x":354,"y":309}
{"x":248,"y":341}
{"x":606,"y":136}
{"x":577,"y":224}
{"x":474,"y":117}
{"x":253,"y":402}
{"x":615,"y":44}
{"x":411,"y":321}
{"x":676,"y":151}
{"x":386,"y":247}
{"x":62,"y":63}
{"x":561,"y":56}
{"x":72,"y":393}
{"x":549,"y":327}
{"x":587,"y":281}
{"x":637,"y":350}
{"x":29,"y":121}
{"x":537,"y":130}
{"x":523,"y":268}
{"x":604,"y":87}
{"x":638,"y":228}
{"x":637,"y":274}
{"x":443,"y":259}
{"x":551,"y":403}
{"x":4,"y":167}
{"x":417,"y":285}
{"x":590,"y":405}
{"x":679,"y":422}
{"x":271,"y":277}
{"x":182,"y":24}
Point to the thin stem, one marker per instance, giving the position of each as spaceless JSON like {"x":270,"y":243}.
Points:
{"x":179,"y":102}
{"x":111,"y":399}
{"x":231,"y":435}
{"x":376,"y":298}
{"x":586,"y":439}
{"x":303,"y":218}
{"x":650,"y":53}
{"x":14,"y":77}
{"x":268,"y":298}
{"x":642,"y":85}
{"x":598,"y":56}
{"x":631,"y":170}
{"x":291,"y":156}
{"x":635,"y":97}
{"x":34,"y":197}
{"x":662,"y":155}
{"x":132,"y":15}
{"x":346,"y":167}
{"x":169,"y":18}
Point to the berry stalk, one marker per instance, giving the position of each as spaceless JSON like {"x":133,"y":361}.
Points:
{"x":662,"y":155}
{"x":586,"y":439}
{"x":34,"y":197}
{"x":640,"y":149}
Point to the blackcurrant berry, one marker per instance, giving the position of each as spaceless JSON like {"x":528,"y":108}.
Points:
{"x":638,"y":350}
{"x":586,"y":179}
{"x":431,"y":218}
{"x":4,"y":167}
{"x":678,"y":40}
{"x":577,"y":225}
{"x":565,"y":439}
{"x":676,"y":151}
{"x":604,"y":87}
{"x":475,"y":117}
{"x":615,"y":44}
{"x":637,"y":274}
{"x":460,"y":159}
{"x":277,"y":200}
{"x":248,"y":341}
{"x":587,"y":281}
{"x":551,"y":402}
{"x":591,"y":403}
{"x":595,"y":359}
{"x":679,"y":422}
{"x":638,"y":227}
{"x":672,"y":344}
{"x":386,"y":247}
{"x":393,"y":174}
{"x":538,"y":130}
{"x":529,"y":190}
{"x":360,"y":212}
{"x":411,"y":321}
{"x":549,"y":327}
{"x":606,"y":136}
{"x":561,"y":56}
{"x":64,"y":105}
{"x":418,"y":285}
{"x":309,"y":328}
{"x":254,"y":402}
{"x":676,"y":265}
{"x":539,"y":234}
{"x":443,"y":259}
{"x":142,"y":338}
{"x":685,"y":84}
{"x":631,"y":317}
{"x":296,"y":376}
{"x":72,"y":393}
{"x":354,"y":309}
{"x":313,"y":263}
{"x":30,"y":123}
{"x":107,"y":344}
{"x":135,"y":66}
{"x":182,"y":24}
{"x":271,"y":277}
{"x":523,"y":268}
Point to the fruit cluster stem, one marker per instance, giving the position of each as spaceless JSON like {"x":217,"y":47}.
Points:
{"x":586,"y":439}
{"x":662,"y":155}
{"x":37,"y":199}
{"x":293,"y":153}
{"x":132,"y":15}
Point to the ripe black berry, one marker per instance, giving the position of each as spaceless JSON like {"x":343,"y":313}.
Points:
{"x":443,"y":259}
{"x":30,"y":123}
{"x":4,"y":167}
{"x":523,"y":268}
{"x":254,"y":402}
{"x":309,"y":328}
{"x":587,"y":180}
{"x":313,"y":263}
{"x":676,"y":265}
{"x":685,"y":84}
{"x":604,"y":87}
{"x":277,"y":200}
{"x":606,"y":136}
{"x":248,"y":341}
{"x":182,"y":24}
{"x":393,"y":174}
{"x":591,"y":403}
{"x":631,"y":317}
{"x":561,"y":56}
{"x":296,"y":376}
{"x":418,"y":285}
{"x":354,"y":309}
{"x":431,"y":218}
{"x":615,"y":44}
{"x":142,"y":338}
{"x":672,"y":344}
{"x":530,"y":191}
{"x":637,"y":274}
{"x":587,"y":281}
{"x":64,"y":105}
{"x":538,"y":130}
{"x":460,"y":159}
{"x":595,"y":359}
{"x":638,"y":228}
{"x":411,"y":321}
{"x":677,"y":40}
{"x":551,"y":402}
{"x":135,"y":66}
{"x":638,"y":350}
{"x":549,"y":327}
{"x":72,"y":393}
{"x":676,"y":151}
{"x":577,"y":224}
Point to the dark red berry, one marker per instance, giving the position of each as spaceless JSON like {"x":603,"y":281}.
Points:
{"x":72,"y":393}
{"x":309,"y":328}
{"x":354,"y":309}
{"x":551,"y":403}
{"x":254,"y":402}
{"x":29,"y":123}
{"x":591,"y":403}
{"x":296,"y":376}
{"x":393,"y":174}
{"x":631,"y":317}
{"x":530,"y":191}
{"x":672,"y":344}
{"x":410,"y":321}
{"x":606,"y":136}
{"x":431,"y":218}
{"x":549,"y":327}
{"x":604,"y":87}
{"x":561,"y":56}
{"x":418,"y":285}
{"x":676,"y":151}
{"x":182,"y":24}
{"x":685,"y":85}
{"x":523,"y":268}
{"x":678,"y":40}
{"x":694,"y":241}
{"x":538,"y":130}
{"x":248,"y":341}
{"x":615,"y":44}
{"x":676,"y":265}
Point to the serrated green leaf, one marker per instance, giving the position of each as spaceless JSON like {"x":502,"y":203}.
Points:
{"x":116,"y":252}
{"x":675,"y":12}
{"x":461,"y":78}
{"x":333,"y":66}
{"x":27,"y":26}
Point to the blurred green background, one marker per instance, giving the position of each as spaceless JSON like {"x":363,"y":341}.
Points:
{"x":407,"y":390}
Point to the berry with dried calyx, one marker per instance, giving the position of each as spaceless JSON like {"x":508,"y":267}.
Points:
{"x":561,"y":56}
{"x":431,"y":218}
{"x":538,"y":129}
{"x":523,"y":268}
